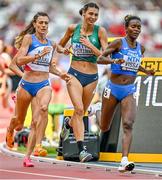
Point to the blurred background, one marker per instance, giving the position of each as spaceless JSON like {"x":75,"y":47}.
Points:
{"x":16,"y":14}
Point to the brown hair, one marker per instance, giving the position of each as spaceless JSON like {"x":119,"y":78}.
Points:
{"x":128,"y":18}
{"x":28,"y":30}
{"x":86,"y":6}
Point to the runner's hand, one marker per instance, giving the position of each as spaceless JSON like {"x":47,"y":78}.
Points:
{"x":85,"y":41}
{"x":45,"y":51}
{"x":118,"y":61}
{"x":66,"y":77}
{"x":150,"y":72}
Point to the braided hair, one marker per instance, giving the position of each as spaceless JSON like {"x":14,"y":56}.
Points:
{"x":28,"y":30}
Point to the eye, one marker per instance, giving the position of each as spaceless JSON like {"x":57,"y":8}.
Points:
{"x":139,"y":27}
{"x":91,"y":13}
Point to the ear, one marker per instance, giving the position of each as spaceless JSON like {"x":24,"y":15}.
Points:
{"x":83,"y":13}
{"x":34,"y":24}
{"x":126,"y":30}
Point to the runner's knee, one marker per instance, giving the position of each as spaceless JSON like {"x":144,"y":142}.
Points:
{"x":128,"y":125}
{"x":19,"y":127}
{"x":79,"y":111}
{"x":43,"y":108}
{"x":104,"y":128}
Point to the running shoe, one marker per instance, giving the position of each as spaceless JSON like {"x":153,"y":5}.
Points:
{"x":65,"y":131}
{"x":9,"y":139}
{"x":94,"y":108}
{"x":27,"y":162}
{"x":84,"y":156}
{"x":126,"y":166}
{"x":39,"y":151}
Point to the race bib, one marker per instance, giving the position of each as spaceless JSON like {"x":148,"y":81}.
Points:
{"x":81,"y":50}
{"x":107,"y":92}
{"x":131,"y":63}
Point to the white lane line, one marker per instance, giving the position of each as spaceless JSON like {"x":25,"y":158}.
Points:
{"x":44,"y":175}
{"x":77,"y":164}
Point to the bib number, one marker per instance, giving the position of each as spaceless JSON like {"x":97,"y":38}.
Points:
{"x":107,"y":92}
{"x":131,"y":63}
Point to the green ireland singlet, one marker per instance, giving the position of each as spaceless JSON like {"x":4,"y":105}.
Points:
{"x":81,"y":51}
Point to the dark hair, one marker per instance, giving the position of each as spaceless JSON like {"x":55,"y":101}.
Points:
{"x":128,"y":18}
{"x":28,"y":30}
{"x":86,"y":6}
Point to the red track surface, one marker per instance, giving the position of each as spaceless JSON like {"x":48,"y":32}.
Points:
{"x":11,"y":167}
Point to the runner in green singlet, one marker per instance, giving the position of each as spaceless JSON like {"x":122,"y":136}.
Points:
{"x":87,"y":40}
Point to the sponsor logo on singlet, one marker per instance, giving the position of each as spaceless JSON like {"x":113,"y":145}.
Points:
{"x":81,"y":50}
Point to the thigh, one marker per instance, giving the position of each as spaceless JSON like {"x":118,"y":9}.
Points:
{"x":43,"y":96}
{"x":35,"y":110}
{"x":34,"y":105}
{"x":88,"y":93}
{"x":128,"y":109}
{"x":75,"y":91}
{"x":23,"y":99}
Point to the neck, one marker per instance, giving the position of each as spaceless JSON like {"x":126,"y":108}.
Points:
{"x":87,"y":28}
{"x":131,"y":41}
{"x":41,"y":37}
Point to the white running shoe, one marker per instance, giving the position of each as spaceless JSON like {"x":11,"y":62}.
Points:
{"x":126,"y":166}
{"x":94,"y":108}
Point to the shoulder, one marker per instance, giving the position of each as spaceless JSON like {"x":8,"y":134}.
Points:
{"x":102,"y":33}
{"x":102,"y":29}
{"x":72,"y":27}
{"x":27,"y":39}
{"x":116,"y":42}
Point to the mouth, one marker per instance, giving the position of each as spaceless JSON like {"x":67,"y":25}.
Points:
{"x":91,"y":21}
{"x":135,"y":34}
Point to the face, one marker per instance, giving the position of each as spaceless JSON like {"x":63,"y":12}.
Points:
{"x":41,"y":24}
{"x":134,"y":28}
{"x":91,"y":15}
